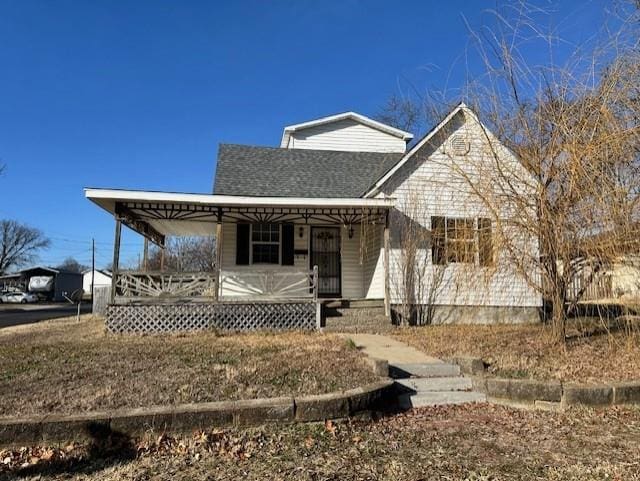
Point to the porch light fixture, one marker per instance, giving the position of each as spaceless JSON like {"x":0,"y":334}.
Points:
{"x":350,"y":232}
{"x":301,"y":232}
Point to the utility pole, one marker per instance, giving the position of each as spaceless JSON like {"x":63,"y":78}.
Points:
{"x":93,"y":267}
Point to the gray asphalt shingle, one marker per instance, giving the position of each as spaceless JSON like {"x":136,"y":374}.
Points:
{"x":276,"y":172}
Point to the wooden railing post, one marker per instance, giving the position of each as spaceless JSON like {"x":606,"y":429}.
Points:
{"x":116,"y":259}
{"x":315,"y":283}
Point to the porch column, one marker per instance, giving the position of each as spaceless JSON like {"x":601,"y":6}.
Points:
{"x":116,"y":258}
{"x":218,"y":268}
{"x":387,"y":297}
{"x":145,"y":255}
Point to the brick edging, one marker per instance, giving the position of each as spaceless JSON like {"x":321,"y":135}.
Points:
{"x":189,"y":417}
{"x":548,"y":393}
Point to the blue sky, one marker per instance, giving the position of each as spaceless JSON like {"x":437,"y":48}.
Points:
{"x":138,"y":94}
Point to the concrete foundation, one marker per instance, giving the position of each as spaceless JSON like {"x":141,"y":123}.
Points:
{"x":485,"y":314}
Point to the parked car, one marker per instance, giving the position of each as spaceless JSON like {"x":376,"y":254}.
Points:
{"x":17,"y":297}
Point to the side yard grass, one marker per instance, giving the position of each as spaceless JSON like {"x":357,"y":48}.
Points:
{"x":592,"y":354}
{"x":64,"y":366}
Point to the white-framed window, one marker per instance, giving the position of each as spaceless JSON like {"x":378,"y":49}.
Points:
{"x":265,"y":243}
{"x":457,"y":240}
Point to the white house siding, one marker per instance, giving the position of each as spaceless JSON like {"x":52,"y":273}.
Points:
{"x":373,"y":262}
{"x":301,"y":263}
{"x":346,"y":135}
{"x":428,"y":185}
{"x":351,"y":268}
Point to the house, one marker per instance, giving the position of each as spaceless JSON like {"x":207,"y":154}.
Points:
{"x":97,"y":277}
{"x":48,"y":283}
{"x":324,"y":216}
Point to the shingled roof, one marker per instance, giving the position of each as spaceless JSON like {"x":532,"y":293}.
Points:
{"x":278,"y":172}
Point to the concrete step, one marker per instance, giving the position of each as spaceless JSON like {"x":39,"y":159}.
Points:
{"x":434,"y":384}
{"x":439,"y":369}
{"x":440,"y":398}
{"x":353,"y":303}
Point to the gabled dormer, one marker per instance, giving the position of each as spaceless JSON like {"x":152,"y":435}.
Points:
{"x":348,"y":131}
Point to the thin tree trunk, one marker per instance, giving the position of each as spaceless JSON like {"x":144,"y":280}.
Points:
{"x":559,"y":313}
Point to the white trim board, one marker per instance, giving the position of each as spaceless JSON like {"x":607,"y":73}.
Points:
{"x":106,"y":198}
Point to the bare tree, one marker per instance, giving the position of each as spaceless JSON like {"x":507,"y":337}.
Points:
{"x":19,"y":244}
{"x":186,"y":254}
{"x":71,"y":265}
{"x":402,"y":113}
{"x":574,"y":129}
{"x":417,"y":281}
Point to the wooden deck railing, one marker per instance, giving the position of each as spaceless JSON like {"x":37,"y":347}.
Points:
{"x":141,"y":284}
{"x":253,"y":284}
{"x":587,"y":288}
{"x":270,"y":284}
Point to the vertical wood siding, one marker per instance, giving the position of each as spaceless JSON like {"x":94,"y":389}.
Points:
{"x":346,"y":135}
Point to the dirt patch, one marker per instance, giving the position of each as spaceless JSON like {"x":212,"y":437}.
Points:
{"x":68,"y":367}
{"x":592,"y":355}
{"x":472,"y":442}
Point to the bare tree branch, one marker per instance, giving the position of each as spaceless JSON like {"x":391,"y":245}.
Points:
{"x":19,"y":244}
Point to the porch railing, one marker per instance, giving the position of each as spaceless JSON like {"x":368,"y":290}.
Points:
{"x":263,"y":284}
{"x":142,"y":284}
{"x":270,"y":284}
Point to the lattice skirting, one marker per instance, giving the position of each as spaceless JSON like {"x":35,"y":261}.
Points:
{"x":157,"y":318}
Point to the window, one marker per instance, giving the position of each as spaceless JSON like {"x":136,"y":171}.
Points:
{"x":265,"y":243}
{"x":454,"y":240}
{"x":460,"y":242}
{"x":438,"y":240}
{"x":485,"y":242}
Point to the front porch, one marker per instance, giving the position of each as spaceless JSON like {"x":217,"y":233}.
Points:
{"x":275,"y":260}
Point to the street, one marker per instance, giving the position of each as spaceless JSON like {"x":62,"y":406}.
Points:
{"x":17,"y":314}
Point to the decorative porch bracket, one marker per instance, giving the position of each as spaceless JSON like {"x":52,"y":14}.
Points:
{"x":139,"y":211}
{"x":133,"y":220}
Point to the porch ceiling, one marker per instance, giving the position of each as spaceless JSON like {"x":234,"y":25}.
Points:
{"x":158,"y":214}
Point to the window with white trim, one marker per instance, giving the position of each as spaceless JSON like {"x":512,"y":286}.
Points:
{"x":265,"y":243}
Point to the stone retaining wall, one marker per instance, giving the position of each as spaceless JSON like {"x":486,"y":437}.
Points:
{"x":190,"y":417}
{"x":548,"y":394}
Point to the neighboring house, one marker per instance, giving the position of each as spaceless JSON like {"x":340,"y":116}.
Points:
{"x":100,"y":278}
{"x":48,"y":283}
{"x":335,"y":195}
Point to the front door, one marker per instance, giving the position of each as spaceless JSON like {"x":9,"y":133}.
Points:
{"x":325,"y":253}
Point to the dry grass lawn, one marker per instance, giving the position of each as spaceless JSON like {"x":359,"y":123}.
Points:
{"x":527,"y":351}
{"x":63,"y":366}
{"x":472,"y":442}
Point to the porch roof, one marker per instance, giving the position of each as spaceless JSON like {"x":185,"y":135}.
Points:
{"x":158,"y":214}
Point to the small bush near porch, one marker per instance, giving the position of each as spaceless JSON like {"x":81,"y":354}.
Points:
{"x":593,"y":353}
{"x":66,"y":366}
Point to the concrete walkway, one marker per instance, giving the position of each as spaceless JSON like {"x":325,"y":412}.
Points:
{"x":384,"y":347}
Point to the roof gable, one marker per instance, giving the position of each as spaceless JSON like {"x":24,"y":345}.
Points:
{"x":353,"y":116}
{"x":460,"y":108}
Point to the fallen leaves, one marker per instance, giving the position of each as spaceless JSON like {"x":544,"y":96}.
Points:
{"x":474,"y":442}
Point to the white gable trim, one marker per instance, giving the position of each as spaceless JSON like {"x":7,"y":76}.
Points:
{"x":461,"y":107}
{"x":286,"y":135}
